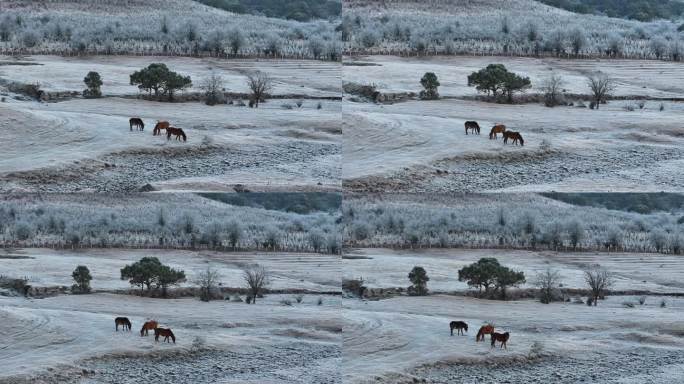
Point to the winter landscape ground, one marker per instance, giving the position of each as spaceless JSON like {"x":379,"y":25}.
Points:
{"x":405,"y":338}
{"x":392,"y":335}
{"x":81,"y":144}
{"x":421,"y":146}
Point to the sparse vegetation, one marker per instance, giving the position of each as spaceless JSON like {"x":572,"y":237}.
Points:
{"x":259,"y":84}
{"x":257,"y":279}
{"x":208,"y":281}
{"x":599,"y":281}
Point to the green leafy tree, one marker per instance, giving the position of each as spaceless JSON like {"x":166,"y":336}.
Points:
{"x":82,"y":277}
{"x":481,"y":274}
{"x":159,"y":79}
{"x":506,"y":277}
{"x":430,"y":83}
{"x":142,"y":273}
{"x":419,"y":279}
{"x":93,"y":82}
{"x":167,"y":276}
{"x":495,"y":80}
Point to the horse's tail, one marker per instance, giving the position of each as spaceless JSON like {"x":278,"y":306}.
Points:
{"x":185,"y":138}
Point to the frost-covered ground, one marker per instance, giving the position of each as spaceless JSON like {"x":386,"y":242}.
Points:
{"x":385,"y":268}
{"x":421,"y":145}
{"x":291,"y":77}
{"x":72,"y":339}
{"x":46,"y":267}
{"x":86,"y":145}
{"x":403,"y":339}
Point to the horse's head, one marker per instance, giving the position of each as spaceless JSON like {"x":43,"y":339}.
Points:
{"x":466,"y":327}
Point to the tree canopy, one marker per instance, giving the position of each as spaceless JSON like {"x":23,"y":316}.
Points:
{"x":419,"y":278}
{"x":149,"y":271}
{"x":496,"y":80}
{"x":487,"y":273}
{"x":159,"y":79}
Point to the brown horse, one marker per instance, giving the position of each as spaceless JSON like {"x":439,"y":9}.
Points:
{"x":515,"y":136}
{"x":177,"y":132}
{"x":473,"y":126}
{"x":459,"y":325}
{"x":124,"y":322}
{"x":166,"y":333}
{"x":485,"y":329}
{"x":501,"y":337}
{"x":137,"y":123}
{"x":144,"y":331}
{"x":498,"y":128}
{"x":160,"y":125}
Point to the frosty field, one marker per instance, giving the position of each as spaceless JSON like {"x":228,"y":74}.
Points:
{"x":402,"y":339}
{"x":74,"y":339}
{"x":421,"y":146}
{"x":86,"y":145}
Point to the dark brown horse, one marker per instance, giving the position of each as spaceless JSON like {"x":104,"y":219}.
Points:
{"x":500,"y":337}
{"x":498,"y":128}
{"x":176,"y":132}
{"x":160,"y":125}
{"x":485,"y":329}
{"x":164,"y":332}
{"x":473,"y":126}
{"x":515,"y":136}
{"x":459,"y":325}
{"x":137,"y":123}
{"x":123,"y":322}
{"x":144,"y":331}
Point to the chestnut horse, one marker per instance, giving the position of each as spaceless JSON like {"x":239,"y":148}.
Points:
{"x":144,"y":331}
{"x":498,"y":128}
{"x":166,"y":333}
{"x":137,"y":123}
{"x":160,"y":125}
{"x":123,"y":322}
{"x":485,"y":329}
{"x":177,"y":132}
{"x":515,"y":136}
{"x":501,"y":337}
{"x":473,"y":126}
{"x":459,"y":325}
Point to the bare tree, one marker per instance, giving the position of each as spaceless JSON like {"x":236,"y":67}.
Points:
{"x":208,"y":280}
{"x":599,"y":280}
{"x":547,"y":281}
{"x":260,"y":84}
{"x":212,"y":86}
{"x":257,"y":278}
{"x":235,"y":41}
{"x":601,"y":85}
{"x":552,"y":88}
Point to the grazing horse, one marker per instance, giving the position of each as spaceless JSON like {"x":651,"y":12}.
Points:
{"x":144,"y":331}
{"x":166,"y":333}
{"x":473,"y":126}
{"x":515,"y":136}
{"x":485,"y":329}
{"x":177,"y":132}
{"x":124,"y":322}
{"x":499,"y":128}
{"x":160,"y":125}
{"x":459,"y":325}
{"x":137,"y":123}
{"x":501,"y":337}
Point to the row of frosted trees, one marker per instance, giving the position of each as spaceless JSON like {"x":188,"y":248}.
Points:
{"x":556,"y":35}
{"x":499,"y":225}
{"x":222,"y":35}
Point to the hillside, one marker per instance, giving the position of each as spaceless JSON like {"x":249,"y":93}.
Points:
{"x":301,"y":10}
{"x":643,"y":10}
{"x":501,"y":27}
{"x":174,"y":27}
